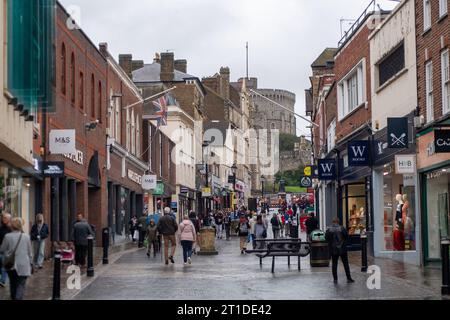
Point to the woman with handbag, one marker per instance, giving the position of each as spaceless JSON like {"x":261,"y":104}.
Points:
{"x":16,"y":248}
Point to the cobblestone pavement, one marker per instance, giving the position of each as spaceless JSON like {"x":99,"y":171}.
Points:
{"x":230,"y":275}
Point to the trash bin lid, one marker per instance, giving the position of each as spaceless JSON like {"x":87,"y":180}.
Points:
{"x":318,"y":235}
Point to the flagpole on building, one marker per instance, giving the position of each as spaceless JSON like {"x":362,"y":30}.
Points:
{"x":149,"y":98}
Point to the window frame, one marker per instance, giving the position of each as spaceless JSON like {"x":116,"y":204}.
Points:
{"x":401,"y":44}
{"x":429,"y":98}
{"x":443,"y":8}
{"x":445,"y":68}
{"x":81,"y":90}
{"x":92,"y":96}
{"x":63,"y":69}
{"x":427,"y":16}
{"x":355,"y":78}
{"x":73,"y":79}
{"x":99,"y":101}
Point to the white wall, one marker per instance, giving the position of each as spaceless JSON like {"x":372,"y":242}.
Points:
{"x":400,"y":97}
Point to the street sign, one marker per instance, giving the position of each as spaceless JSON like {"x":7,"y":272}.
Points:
{"x":305,"y":182}
{"x":62,"y":142}
{"x":327,"y":169}
{"x":442,"y":141}
{"x":358,"y":153}
{"x":53,"y":169}
{"x":149,"y":182}
{"x":398,"y":133}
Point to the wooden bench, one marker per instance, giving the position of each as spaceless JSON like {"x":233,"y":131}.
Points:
{"x":282,"y":248}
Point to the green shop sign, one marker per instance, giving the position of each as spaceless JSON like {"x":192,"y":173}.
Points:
{"x":159,"y":191}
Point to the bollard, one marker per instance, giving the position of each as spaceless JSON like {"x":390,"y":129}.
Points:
{"x":364,"y":252}
{"x":445,"y":245}
{"x":90,"y":267}
{"x":141,"y":240}
{"x":105,"y":243}
{"x":57,"y":276}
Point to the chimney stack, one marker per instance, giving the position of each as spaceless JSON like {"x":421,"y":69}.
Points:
{"x":137,"y":64}
{"x":103,"y":47}
{"x":167,"y":66}
{"x":225,"y":83}
{"x":181,"y":65}
{"x":125,"y":62}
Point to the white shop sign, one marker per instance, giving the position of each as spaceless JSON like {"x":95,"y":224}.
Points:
{"x":62,"y":141}
{"x":133,"y":176}
{"x":408,"y":180}
{"x":77,"y":156}
{"x":405,"y":164}
{"x":149,"y":182}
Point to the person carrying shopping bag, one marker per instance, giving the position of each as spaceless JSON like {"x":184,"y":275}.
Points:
{"x":188,"y":236}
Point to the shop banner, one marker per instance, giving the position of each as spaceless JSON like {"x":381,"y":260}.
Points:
{"x":398,"y":133}
{"x":62,"y":141}
{"x":206,"y":192}
{"x":405,"y":164}
{"x":358,"y":153}
{"x":149,"y":182}
{"x":53,"y":169}
{"x":327,"y":169}
{"x":159,"y":190}
{"x":409,"y":180}
{"x":184,"y":190}
{"x":442,"y":141}
{"x":305,"y":182}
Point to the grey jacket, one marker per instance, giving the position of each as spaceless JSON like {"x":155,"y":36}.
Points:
{"x":81,"y":230}
{"x":24,"y":255}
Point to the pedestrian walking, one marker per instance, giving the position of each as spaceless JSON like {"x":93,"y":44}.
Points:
{"x":5,"y":228}
{"x":142,"y":230}
{"x":196,"y":222}
{"x":260,"y":233}
{"x":168,"y":227}
{"x":287,"y":226}
{"x":282,"y":223}
{"x":275,"y":226}
{"x":311,"y":224}
{"x":187,"y":238}
{"x":242,"y":230}
{"x":133,"y":228}
{"x":39,"y":233}
{"x":218,"y":219}
{"x":16,"y":248}
{"x":81,"y":231}
{"x":151,"y":236}
{"x":227,"y":224}
{"x":252,"y":238}
{"x":337,"y":238}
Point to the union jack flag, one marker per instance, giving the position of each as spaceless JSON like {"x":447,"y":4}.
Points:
{"x":161,"y":111}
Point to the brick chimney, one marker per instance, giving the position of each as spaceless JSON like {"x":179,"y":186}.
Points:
{"x":167,"y":66}
{"x":181,"y":65}
{"x":125,"y":62}
{"x":103,"y":47}
{"x":225,"y":83}
{"x":137,"y":64}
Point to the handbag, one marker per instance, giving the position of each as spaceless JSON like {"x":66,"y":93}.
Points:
{"x":10,"y":259}
{"x":264,"y":234}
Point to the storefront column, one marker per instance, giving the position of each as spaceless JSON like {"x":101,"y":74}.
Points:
{"x":110,"y":190}
{"x":63,"y":210}
{"x":72,"y":187}
{"x":54,"y":194}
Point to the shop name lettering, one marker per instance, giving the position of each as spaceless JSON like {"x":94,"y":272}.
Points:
{"x":78,"y":157}
{"x":133,"y":176}
{"x":443,"y":142}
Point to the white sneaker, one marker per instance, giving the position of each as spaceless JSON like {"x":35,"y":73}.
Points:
{"x":185,"y":263}
{"x":189,"y":261}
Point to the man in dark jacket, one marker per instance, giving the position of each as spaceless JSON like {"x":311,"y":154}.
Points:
{"x":81,"y":231}
{"x":5,"y":228}
{"x":142,"y":228}
{"x":337,"y":238}
{"x":167,"y":226}
{"x":39,"y":233}
{"x":311,"y":224}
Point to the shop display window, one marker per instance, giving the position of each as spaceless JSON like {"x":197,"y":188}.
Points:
{"x":354,"y":206}
{"x":438,"y":212}
{"x":399,"y":212}
{"x":10,"y":191}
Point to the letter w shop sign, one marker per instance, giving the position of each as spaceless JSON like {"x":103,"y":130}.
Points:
{"x":327,"y":169}
{"x":442,"y":141}
{"x":358,"y":153}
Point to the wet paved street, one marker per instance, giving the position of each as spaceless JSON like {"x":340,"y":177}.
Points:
{"x":233,"y":276}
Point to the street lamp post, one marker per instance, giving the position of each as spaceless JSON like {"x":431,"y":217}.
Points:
{"x":263,"y":180}
{"x":234,"y":169}
{"x":205,"y":163}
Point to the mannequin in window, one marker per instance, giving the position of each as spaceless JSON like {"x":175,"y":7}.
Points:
{"x":408,"y":223}
{"x":399,"y":235}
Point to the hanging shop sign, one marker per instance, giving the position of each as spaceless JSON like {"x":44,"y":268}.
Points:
{"x":358,"y":153}
{"x":149,"y":182}
{"x":408,"y":180}
{"x":159,"y":190}
{"x":133,"y":176}
{"x":305,"y":182}
{"x":184,"y":190}
{"x":206,"y":192}
{"x":442,"y":141}
{"x":308,"y":171}
{"x":398,"y":133}
{"x":327,"y":169}
{"x":405,"y":164}
{"x":62,"y":141}
{"x":53,"y":169}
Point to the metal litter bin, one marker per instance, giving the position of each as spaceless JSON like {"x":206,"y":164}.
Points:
{"x":320,"y":252}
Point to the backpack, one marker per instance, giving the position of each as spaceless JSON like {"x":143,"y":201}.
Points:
{"x":243,"y":228}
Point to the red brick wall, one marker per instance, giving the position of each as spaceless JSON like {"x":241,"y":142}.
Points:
{"x":431,"y":41}
{"x":347,"y":58}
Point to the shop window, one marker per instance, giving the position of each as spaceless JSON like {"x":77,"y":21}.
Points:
{"x":81,"y":93}
{"x":392,"y":65}
{"x":92,"y":96}
{"x":437,"y":208}
{"x":445,"y":82}
{"x":399,"y":211}
{"x":354,"y":208}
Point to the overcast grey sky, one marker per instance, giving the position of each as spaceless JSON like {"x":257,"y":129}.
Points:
{"x":285,"y":36}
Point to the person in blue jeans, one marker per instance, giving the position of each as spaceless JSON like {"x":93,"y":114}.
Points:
{"x":39,"y":233}
{"x":5,"y":228}
{"x":188,"y":237}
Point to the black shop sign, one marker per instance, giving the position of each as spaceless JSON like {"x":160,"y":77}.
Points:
{"x":327,"y":169}
{"x":442,"y":141}
{"x":398,"y":133}
{"x":358,"y":153}
{"x":53,"y":169}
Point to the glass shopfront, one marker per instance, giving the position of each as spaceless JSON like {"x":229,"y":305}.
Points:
{"x":355,"y":207}
{"x":399,"y":211}
{"x":437,"y":204}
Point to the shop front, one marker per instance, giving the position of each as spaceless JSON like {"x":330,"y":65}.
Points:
{"x":395,"y":201}
{"x":186,"y":200}
{"x":434,"y":175}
